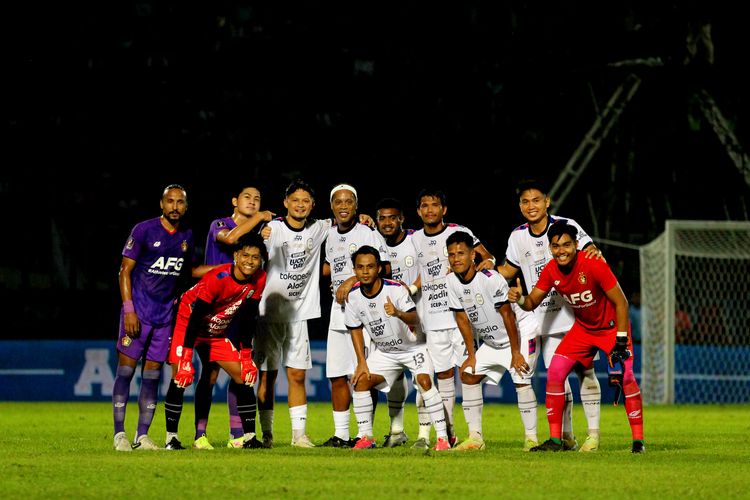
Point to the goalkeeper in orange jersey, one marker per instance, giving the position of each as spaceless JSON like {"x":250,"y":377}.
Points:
{"x":601,"y":322}
{"x":228,"y":293}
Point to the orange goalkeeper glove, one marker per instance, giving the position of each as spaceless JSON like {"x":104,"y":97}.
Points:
{"x":249,"y":370}
{"x":185,"y":370}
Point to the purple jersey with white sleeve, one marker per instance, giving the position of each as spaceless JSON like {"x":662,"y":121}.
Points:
{"x":160,"y":258}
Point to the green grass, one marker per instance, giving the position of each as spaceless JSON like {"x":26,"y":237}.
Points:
{"x":65,"y":450}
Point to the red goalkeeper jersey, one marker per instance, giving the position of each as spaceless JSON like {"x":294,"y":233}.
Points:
{"x":583,"y":289}
{"x":225,"y":294}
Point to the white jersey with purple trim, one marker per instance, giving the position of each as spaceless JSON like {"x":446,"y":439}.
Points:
{"x":480,"y":298}
{"x":389,"y":333}
{"x":292,"y":290}
{"x":530,"y":253}
{"x":339,"y":249}
{"x":432,"y":258}
{"x":403,"y":258}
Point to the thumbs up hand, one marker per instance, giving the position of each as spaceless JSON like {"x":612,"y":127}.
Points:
{"x":390,"y":309}
{"x":515,"y":293}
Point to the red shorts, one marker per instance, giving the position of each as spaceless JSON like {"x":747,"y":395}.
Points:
{"x":581,"y":344}
{"x":219,"y":348}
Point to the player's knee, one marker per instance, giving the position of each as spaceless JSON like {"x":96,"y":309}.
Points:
{"x":628,"y":379}
{"x":125,"y":371}
{"x":362,"y":385}
{"x":296,"y":376}
{"x":557,"y":376}
{"x":469,"y":379}
{"x":424,"y":381}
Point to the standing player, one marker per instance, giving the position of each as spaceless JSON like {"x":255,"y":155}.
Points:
{"x":227,"y":294}
{"x":154,"y":259}
{"x":342,"y":241}
{"x":480,"y":303}
{"x":222,"y":235}
{"x":601,"y":322}
{"x":444,"y":341}
{"x":385,"y":310}
{"x":528,"y":252}
{"x":402,"y":256}
{"x":292,"y":297}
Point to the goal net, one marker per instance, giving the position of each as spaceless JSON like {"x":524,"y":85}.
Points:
{"x":695,"y":296}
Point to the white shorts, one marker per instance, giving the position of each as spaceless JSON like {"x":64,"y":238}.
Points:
{"x":341,"y":360}
{"x":446,"y":348}
{"x":390,"y":365}
{"x":283,"y":344}
{"x":528,"y":329}
{"x":549,"y":346}
{"x":493,"y":362}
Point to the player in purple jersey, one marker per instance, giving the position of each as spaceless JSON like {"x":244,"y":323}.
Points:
{"x":156,"y":255}
{"x":222,"y":234}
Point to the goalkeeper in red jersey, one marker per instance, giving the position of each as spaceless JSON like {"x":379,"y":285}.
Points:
{"x":228,"y":293}
{"x":601,"y":322}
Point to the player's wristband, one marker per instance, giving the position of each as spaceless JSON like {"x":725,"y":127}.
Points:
{"x":493,"y":260}
{"x":521,"y":300}
{"x":622,"y":335}
{"x":413,"y":290}
{"x":127,"y":307}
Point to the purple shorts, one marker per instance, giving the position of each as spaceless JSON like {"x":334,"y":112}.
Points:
{"x":153,"y":341}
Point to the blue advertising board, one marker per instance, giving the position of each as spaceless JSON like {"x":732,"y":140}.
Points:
{"x":84,"y":370}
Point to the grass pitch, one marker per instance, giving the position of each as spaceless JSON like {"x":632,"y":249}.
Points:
{"x":65,"y":450}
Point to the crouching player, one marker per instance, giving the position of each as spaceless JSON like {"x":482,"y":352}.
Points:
{"x":229,"y":292}
{"x":601,"y":322}
{"x":386,"y":311}
{"x":480,"y":302}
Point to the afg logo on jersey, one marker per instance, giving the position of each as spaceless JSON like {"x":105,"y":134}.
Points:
{"x":170,"y":263}
{"x":309,"y":244}
{"x":582,"y":278}
{"x":577,"y":298}
{"x":479,"y":299}
{"x":352,"y":248}
{"x":409,"y":261}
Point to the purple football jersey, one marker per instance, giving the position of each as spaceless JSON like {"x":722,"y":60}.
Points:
{"x":161,"y":257}
{"x":217,"y":252}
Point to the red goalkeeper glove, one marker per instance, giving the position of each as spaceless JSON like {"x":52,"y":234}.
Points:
{"x":249,"y":370}
{"x":185,"y":370}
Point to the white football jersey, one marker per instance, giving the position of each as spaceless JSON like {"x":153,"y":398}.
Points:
{"x":480,"y":298}
{"x":403,"y":259}
{"x":432,"y":258}
{"x":339,"y":249}
{"x":389,"y":333}
{"x":530,"y":253}
{"x":293,"y":286}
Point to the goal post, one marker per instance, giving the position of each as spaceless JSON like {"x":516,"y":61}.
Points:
{"x":695,"y":302}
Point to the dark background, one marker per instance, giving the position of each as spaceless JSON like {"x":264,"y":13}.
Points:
{"x":108,"y":102}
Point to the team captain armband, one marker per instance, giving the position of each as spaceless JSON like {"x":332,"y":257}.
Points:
{"x":413,"y":290}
